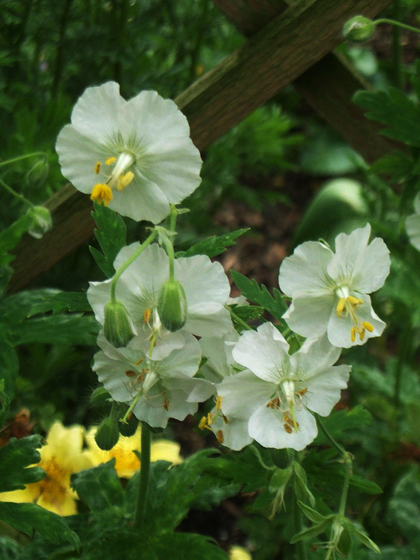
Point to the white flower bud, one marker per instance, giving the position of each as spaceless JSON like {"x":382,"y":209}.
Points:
{"x":172,"y":305}
{"x":359,"y":29}
{"x":42,"y":221}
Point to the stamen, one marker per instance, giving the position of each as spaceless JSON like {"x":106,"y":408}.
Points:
{"x":219,"y":403}
{"x":368,"y":326}
{"x":102,"y":194}
{"x":340,"y":306}
{"x":354,"y":301}
{"x":166,"y":404}
{"x":130,"y":373}
{"x":110,"y":160}
{"x":98,"y":166}
{"x":220,"y":437}
{"x":125,"y":180}
{"x":225,"y":419}
{"x":202,"y":423}
{"x":140,"y":361}
{"x":209,"y":419}
{"x":353,"y":332}
{"x":362,"y":332}
{"x":274,"y":403}
{"x":147,"y":315}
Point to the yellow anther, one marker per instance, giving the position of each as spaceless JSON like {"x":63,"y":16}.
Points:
{"x":209,"y":419}
{"x":139,"y":361}
{"x":225,"y":419}
{"x":354,"y":301}
{"x":340,"y":306}
{"x":203,"y":423}
{"x":219,"y":403}
{"x":98,"y":166}
{"x":368,"y":326}
{"x":102,"y":194}
{"x":220,"y":436}
{"x":302,"y":392}
{"x":353,"y":332}
{"x":110,"y":160}
{"x":290,"y":423}
{"x":362,"y":332}
{"x":147,"y":315}
{"x":166,"y":404}
{"x":125,"y":180}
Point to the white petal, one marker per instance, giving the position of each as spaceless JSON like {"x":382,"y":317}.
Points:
{"x":141,"y":200}
{"x":264,"y":352}
{"x":266,"y":426}
{"x":314,"y":356}
{"x":324,"y":389}
{"x":99,"y":294}
{"x":306,"y":269}
{"x":77,"y":155}
{"x":96,"y":113}
{"x":111,"y":373}
{"x":218,"y":352}
{"x":243,"y":393}
{"x":339,"y":329}
{"x":412,"y":225}
{"x":360,"y":266}
{"x":184,"y":361}
{"x":235,"y":432}
{"x":309,"y":314}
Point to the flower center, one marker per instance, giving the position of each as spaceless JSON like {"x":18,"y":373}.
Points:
{"x":118,"y":179}
{"x":347,"y":306}
{"x":287,"y":399}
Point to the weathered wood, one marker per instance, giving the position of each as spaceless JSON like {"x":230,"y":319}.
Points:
{"x":328,"y":86}
{"x":249,"y":77}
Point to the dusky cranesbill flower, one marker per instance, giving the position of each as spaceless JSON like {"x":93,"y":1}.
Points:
{"x":205,"y":285}
{"x":155,"y":389}
{"x":135,"y":156}
{"x":60,"y":458}
{"x":330,"y":290}
{"x":277,"y":391}
{"x":412,"y":224}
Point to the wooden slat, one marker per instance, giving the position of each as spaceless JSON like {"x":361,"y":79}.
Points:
{"x":328,"y":85}
{"x":253,"y":74}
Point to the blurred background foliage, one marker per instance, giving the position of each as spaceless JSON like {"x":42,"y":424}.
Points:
{"x":281,"y":171}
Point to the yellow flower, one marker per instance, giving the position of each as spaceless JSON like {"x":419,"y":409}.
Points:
{"x":60,"y":457}
{"x":127,"y":462}
{"x":239,"y":553}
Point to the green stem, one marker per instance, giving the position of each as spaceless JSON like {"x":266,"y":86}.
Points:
{"x":172,"y":217}
{"x":326,"y":433}
{"x":397,"y":23}
{"x":301,"y":549}
{"x":15,"y":194}
{"x":13,"y":160}
{"x":144,"y":477}
{"x":238,"y":319}
{"x":133,"y":257}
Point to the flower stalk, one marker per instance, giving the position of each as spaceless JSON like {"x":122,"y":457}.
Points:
{"x":144,"y":477}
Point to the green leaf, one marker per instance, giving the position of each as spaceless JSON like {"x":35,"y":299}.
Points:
{"x":99,"y":487}
{"x":15,"y":457}
{"x":10,"y":237}
{"x":344,"y":543}
{"x":398,"y":165}
{"x":5,"y":274}
{"x":179,"y":546}
{"x":111,"y":236}
{"x":361,"y":536}
{"x":9,"y":549}
{"x":30,"y":517}
{"x":311,"y":513}
{"x":301,"y":485}
{"x":58,"y":329}
{"x":9,"y":366}
{"x":395,"y":110}
{"x":261,"y":296}
{"x":364,"y":485}
{"x":214,"y":245}
{"x":60,"y":302}
{"x":404,"y":506}
{"x":246,"y":313}
{"x":340,"y":421}
{"x":313,"y":531}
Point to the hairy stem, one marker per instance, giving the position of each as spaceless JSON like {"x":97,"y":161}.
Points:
{"x":144,"y":477}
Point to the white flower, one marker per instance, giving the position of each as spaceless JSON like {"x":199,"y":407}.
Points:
{"x":205,"y":285}
{"x":329,"y":290}
{"x":155,"y":389}
{"x":279,"y":390}
{"x":135,"y":156}
{"x":412,"y":224}
{"x":220,"y":364}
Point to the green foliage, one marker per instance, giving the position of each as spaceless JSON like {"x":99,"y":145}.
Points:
{"x":111,"y":236}
{"x":404,"y":508}
{"x":214,"y":245}
{"x":14,"y":458}
{"x":58,"y":329}
{"x":10,"y":237}
{"x":338,"y":423}
{"x":261,"y":296}
{"x":245,"y":313}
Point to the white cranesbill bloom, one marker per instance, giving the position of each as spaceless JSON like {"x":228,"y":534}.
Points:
{"x":412,"y":224}
{"x":219,"y":365}
{"x":155,"y":389}
{"x":330,"y":290}
{"x":278,"y":391}
{"x":205,"y":285}
{"x":135,"y":156}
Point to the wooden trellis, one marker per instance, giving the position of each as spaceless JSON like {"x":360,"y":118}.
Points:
{"x":288,"y":42}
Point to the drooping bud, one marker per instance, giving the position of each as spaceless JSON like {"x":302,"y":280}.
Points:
{"x":359,"y":29}
{"x":42,"y":221}
{"x":129,"y":427}
{"x":118,"y":328}
{"x":172,"y":305}
{"x":37,"y":175}
{"x":99,"y":396}
{"x":107,"y":434}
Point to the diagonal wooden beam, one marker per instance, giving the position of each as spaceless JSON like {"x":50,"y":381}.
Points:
{"x":272,"y":58}
{"x":328,"y":86}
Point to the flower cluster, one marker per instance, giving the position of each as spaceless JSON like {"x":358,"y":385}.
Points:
{"x":162,"y":315}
